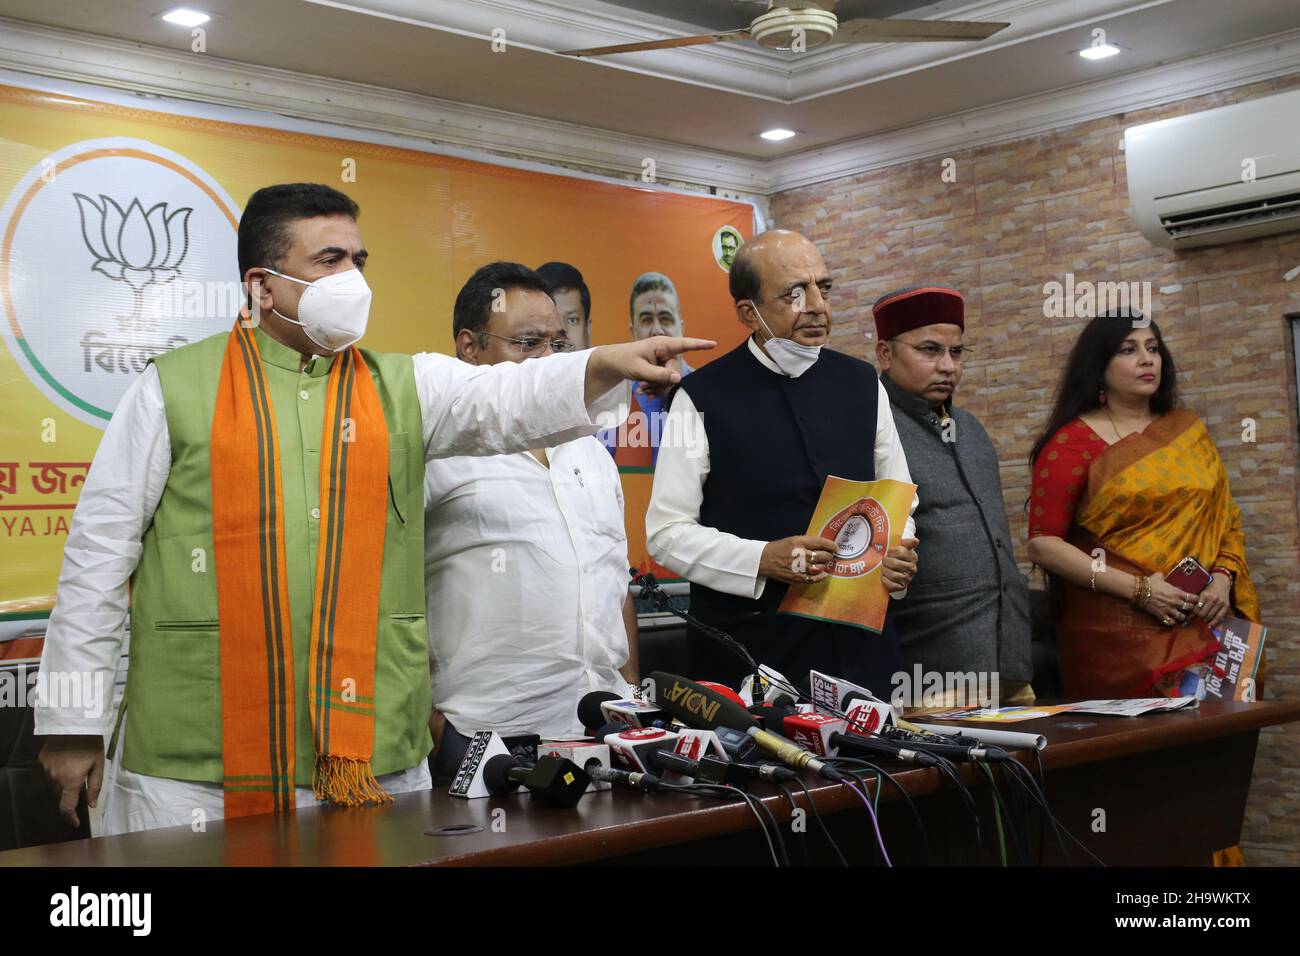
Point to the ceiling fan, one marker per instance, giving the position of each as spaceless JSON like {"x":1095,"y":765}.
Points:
{"x":784,"y":24}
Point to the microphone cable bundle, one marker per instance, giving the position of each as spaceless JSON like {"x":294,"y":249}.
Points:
{"x":679,"y":702}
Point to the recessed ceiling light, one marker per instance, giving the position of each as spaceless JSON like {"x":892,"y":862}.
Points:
{"x":185,"y":17}
{"x":776,"y":135}
{"x":1099,"y":52}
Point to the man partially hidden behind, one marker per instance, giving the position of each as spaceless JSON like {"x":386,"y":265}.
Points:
{"x":525,"y":554}
{"x":572,"y":298}
{"x":966,"y":611}
{"x":261,"y":493}
{"x":750,"y":440}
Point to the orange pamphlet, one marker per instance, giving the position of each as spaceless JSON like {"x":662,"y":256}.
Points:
{"x":864,"y":519}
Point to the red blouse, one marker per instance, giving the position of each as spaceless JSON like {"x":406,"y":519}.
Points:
{"x":1060,"y":475}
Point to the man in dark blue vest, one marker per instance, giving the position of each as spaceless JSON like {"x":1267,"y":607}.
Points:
{"x":750,"y":439}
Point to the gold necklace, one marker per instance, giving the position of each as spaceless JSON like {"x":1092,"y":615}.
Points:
{"x":1115,"y":427}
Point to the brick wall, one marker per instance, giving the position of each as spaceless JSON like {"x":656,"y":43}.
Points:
{"x":1024,"y":213}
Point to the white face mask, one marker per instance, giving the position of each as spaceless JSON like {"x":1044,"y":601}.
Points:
{"x":790,"y":357}
{"x":333,"y":311}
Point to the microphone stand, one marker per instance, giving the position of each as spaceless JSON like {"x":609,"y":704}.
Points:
{"x":663,"y":602}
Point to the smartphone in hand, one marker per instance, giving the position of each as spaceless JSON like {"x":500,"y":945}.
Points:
{"x":1189,"y":575}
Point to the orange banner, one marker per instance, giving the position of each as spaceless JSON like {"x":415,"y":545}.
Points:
{"x":118,"y":240}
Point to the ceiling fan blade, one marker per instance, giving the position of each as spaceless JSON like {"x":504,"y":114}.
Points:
{"x":658,"y":44}
{"x":914,"y":31}
{"x":824,"y":4}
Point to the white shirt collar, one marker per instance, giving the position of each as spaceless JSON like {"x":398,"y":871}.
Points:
{"x":763,"y":357}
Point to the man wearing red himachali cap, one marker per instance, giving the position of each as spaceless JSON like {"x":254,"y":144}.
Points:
{"x":967,"y":608}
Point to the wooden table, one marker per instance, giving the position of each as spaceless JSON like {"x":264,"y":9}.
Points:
{"x":1172,"y":788}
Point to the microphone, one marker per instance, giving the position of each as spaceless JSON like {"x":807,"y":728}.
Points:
{"x":585,"y":753}
{"x":604,"y":730}
{"x":825,"y":735}
{"x":882,"y":747}
{"x":833,"y":694}
{"x":764,"y":686}
{"x":1003,"y":738}
{"x":692,"y":744}
{"x":711,"y":769}
{"x":698,"y":706}
{"x":601,"y":707}
{"x":814,"y":731}
{"x":504,"y":774}
{"x":635,"y":748}
{"x":633,"y":713}
{"x":736,"y":744}
{"x":631,"y":779}
{"x":650,"y":589}
{"x":589,"y":709}
{"x":868,"y":717}
{"x":771,"y":713}
{"x":962,"y":753}
{"x":553,"y":781}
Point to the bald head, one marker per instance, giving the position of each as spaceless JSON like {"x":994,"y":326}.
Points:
{"x":780,"y":285}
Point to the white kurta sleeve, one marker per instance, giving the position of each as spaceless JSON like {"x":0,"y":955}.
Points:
{"x":508,"y":407}
{"x":674,"y":536}
{"x":83,"y":643}
{"x":891,"y":460}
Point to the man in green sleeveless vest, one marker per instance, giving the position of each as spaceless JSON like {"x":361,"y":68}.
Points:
{"x":261,"y":494}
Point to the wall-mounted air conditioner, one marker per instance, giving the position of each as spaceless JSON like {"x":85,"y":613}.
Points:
{"x":1219,"y":176}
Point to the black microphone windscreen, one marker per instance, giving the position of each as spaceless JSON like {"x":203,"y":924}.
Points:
{"x":774,"y":717}
{"x":496,"y":774}
{"x":696,"y":705}
{"x":589,"y":711}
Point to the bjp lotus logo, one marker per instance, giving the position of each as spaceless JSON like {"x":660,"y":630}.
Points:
{"x":112,"y":252}
{"x":133,"y":246}
{"x":860,"y":533}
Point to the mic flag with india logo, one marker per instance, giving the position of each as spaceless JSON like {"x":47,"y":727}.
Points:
{"x":864,"y":519}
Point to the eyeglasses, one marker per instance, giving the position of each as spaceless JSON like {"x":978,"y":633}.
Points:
{"x":932,"y":353}
{"x":531,"y":346}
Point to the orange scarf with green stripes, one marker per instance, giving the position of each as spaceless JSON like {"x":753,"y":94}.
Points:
{"x":257,"y":671}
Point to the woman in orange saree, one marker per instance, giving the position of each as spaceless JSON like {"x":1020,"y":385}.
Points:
{"x":1126,"y":485}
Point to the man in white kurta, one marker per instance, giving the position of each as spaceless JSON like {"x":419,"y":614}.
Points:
{"x":525,"y":554}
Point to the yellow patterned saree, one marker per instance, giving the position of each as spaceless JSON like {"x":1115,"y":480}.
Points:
{"x":1151,"y":499}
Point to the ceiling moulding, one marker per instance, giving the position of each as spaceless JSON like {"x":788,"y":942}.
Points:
{"x":545,"y":26}
{"x":138,"y":68}
{"x":1262,"y":59}
{"x":548,"y":25}
{"x":144,"y":69}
